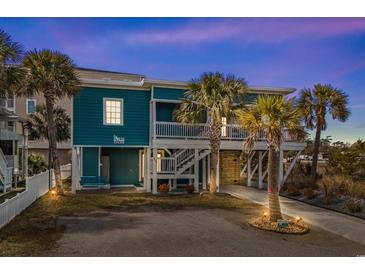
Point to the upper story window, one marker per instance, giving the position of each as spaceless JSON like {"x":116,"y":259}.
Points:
{"x":113,"y":111}
{"x":7,"y":103}
{"x":224,"y":126}
{"x":31,"y":106}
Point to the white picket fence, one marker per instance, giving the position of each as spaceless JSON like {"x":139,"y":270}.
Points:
{"x":65,"y":171}
{"x":35,"y":187}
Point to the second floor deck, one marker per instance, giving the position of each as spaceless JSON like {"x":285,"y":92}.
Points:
{"x":232,"y":136}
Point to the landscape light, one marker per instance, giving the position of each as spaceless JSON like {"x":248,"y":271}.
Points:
{"x":265,"y":214}
{"x":298,"y":218}
{"x":53,"y":192}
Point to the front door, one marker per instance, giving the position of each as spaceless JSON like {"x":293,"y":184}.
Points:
{"x":105,"y":168}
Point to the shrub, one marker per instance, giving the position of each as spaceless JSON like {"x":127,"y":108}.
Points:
{"x":354,"y":205}
{"x":164,"y":188}
{"x":353,"y":188}
{"x":36,"y":164}
{"x":190,"y":188}
{"x":293,"y":189}
{"x":331,"y":187}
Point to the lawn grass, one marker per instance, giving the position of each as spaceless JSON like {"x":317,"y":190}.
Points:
{"x":35,"y":231}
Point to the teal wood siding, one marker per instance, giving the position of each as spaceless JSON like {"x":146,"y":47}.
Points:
{"x":168,"y":93}
{"x":124,"y":165}
{"x":88,"y":128}
{"x":164,"y":112}
{"x":90,"y":161}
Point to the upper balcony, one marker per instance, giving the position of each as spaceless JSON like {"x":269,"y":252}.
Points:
{"x":183,"y":135}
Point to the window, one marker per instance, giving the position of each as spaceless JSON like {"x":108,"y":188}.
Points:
{"x":113,"y":111}
{"x":31,"y":106}
{"x":224,"y":126}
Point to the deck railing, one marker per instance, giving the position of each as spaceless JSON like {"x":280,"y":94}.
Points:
{"x":175,"y":130}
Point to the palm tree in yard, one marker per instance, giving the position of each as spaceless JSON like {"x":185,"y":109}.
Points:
{"x":38,"y":126}
{"x":10,"y":74}
{"x":268,"y":118}
{"x":212,"y":95}
{"x":51,"y":74}
{"x":315,"y":104}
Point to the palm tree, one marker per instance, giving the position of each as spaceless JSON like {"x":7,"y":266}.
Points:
{"x":10,"y":74}
{"x":268,"y":118}
{"x":38,"y":126}
{"x":212,"y":95}
{"x":53,"y":75}
{"x":315,"y":104}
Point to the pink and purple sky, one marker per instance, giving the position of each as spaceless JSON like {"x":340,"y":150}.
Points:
{"x":288,"y":52}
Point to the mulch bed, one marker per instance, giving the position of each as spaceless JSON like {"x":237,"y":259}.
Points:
{"x":294,"y":227}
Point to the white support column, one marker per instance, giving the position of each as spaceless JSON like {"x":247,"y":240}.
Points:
{"x":74,"y":171}
{"x":286,"y":175}
{"x":174,"y":183}
{"x":281,"y":168}
{"x":196,"y":171}
{"x":147,"y":174}
{"x":218,"y":175}
{"x":204,"y":173}
{"x":154,"y":171}
{"x":260,"y":171}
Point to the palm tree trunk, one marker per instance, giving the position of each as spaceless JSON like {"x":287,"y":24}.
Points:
{"x":273,"y":185}
{"x":316,"y":144}
{"x":215,"y":143}
{"x":52,"y":140}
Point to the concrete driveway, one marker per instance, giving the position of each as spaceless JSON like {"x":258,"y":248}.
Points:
{"x":189,"y":232}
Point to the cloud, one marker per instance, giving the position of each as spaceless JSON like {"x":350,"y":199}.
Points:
{"x":246,"y":30}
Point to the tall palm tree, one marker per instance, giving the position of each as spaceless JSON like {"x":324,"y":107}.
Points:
{"x":53,"y":75}
{"x":38,"y":126}
{"x":10,"y":74}
{"x":268,"y":118}
{"x":315,"y":104}
{"x":213,"y":95}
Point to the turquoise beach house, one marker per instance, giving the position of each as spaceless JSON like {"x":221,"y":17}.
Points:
{"x":124,"y":135}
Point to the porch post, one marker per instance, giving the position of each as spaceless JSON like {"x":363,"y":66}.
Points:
{"x":281,"y":168}
{"x":148,"y":172}
{"x":146,"y":175}
{"x":154,"y":171}
{"x":196,"y":171}
{"x":204,"y":173}
{"x":74,"y":171}
{"x":260,"y":170}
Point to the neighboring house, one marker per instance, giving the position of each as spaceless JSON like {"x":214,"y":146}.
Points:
{"x":24,"y":107}
{"x":124,"y":135}
{"x":12,"y":145}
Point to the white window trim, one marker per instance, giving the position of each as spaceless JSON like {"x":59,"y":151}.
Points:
{"x":26,"y":105}
{"x":121,"y":111}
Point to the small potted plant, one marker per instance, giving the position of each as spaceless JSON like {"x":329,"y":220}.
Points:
{"x":190,"y":188}
{"x":164,"y":188}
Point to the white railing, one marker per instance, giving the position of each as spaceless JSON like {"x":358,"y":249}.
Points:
{"x":201,"y":131}
{"x":183,"y":156}
{"x":197,"y":131}
{"x":35,"y":187}
{"x":166,"y":165}
{"x":6,"y":172}
{"x":6,"y":134}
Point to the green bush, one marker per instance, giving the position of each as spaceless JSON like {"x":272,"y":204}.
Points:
{"x":354,"y":205}
{"x":36,"y":164}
